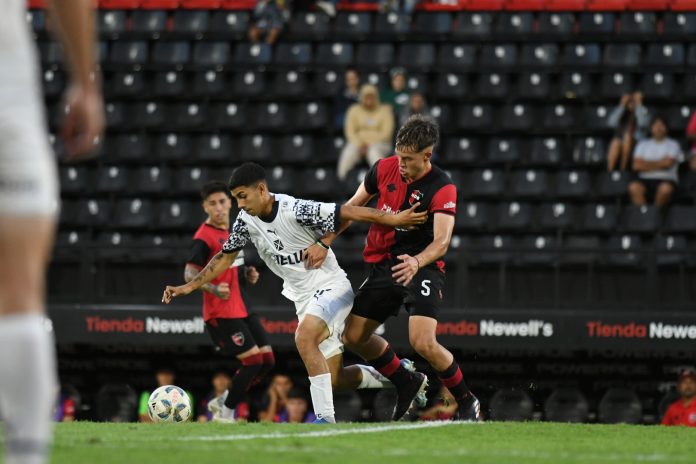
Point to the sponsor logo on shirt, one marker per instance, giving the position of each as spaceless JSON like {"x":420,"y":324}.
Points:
{"x":449,"y":204}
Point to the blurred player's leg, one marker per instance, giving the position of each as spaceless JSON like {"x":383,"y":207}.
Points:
{"x":27,"y":358}
{"x":310,"y":333}
{"x":261,"y":337}
{"x":356,"y":376}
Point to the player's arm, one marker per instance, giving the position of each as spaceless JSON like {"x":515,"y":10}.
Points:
{"x":221,"y":291}
{"x":84,"y":120}
{"x":214,"y":268}
{"x":405,"y":219}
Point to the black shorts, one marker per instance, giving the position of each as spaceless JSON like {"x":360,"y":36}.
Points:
{"x":380,"y":297}
{"x":235,"y":336}
{"x":651,"y":186}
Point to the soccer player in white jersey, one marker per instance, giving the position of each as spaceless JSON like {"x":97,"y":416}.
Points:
{"x":28,"y":207}
{"x":282,"y":228}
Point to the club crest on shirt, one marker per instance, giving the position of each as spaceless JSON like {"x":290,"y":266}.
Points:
{"x":415,"y":197}
{"x":238,"y":338}
{"x":276,"y":241}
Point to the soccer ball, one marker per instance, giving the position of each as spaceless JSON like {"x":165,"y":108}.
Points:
{"x":169,"y":404}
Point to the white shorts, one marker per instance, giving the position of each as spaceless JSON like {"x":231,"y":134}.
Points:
{"x":28,"y":179}
{"x":332,"y":305}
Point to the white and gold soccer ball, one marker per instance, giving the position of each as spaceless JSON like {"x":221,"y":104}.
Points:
{"x":169,"y":404}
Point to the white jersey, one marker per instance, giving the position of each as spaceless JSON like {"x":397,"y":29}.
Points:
{"x":294,"y":226}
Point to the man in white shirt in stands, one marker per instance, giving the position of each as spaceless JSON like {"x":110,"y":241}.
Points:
{"x":655,"y":161}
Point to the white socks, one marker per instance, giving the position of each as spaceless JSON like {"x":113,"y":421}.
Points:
{"x":28,"y":387}
{"x":322,"y":397}
{"x":371,"y":378}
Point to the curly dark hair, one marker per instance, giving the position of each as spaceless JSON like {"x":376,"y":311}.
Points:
{"x":418,"y":133}
{"x":247,"y":175}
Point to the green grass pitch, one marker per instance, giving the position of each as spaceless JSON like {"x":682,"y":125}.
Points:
{"x":86,"y":442}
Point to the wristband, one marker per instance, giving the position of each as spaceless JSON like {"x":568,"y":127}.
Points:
{"x":322,"y":244}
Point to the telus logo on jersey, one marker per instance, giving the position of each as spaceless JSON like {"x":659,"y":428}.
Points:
{"x":285,"y":260}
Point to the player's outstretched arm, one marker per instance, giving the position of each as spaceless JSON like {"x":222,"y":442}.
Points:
{"x":221,"y":291}
{"x":214,"y":268}
{"x":442,"y":234}
{"x":405,"y":219}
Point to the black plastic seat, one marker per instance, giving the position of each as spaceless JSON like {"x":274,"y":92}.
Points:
{"x":417,"y":55}
{"x":515,"y":23}
{"x":596,"y":117}
{"x":75,"y":179}
{"x":129,"y":147}
{"x":612,"y":185}
{"x":126,"y":84}
{"x":681,"y":219}
{"x":556,"y":24}
{"x":493,"y":85}
{"x":575,"y":85}
{"x":475,"y":116}
{"x":473,"y":216}
{"x":462,"y":150}
{"x":689,"y":86}
{"x":169,"y":84}
{"x":230,"y":115}
{"x":92,"y":213}
{"x":296,"y":148}
{"x":374,"y":55}
{"x":473,"y":25}
{"x":539,"y":55}
{"x":283,"y":179}
{"x":171,"y":53}
{"x":321,"y":182}
{"x":133,"y":213}
{"x":208,"y":83}
{"x":211,"y":53}
{"x":640,"y":219}
{"x":327,"y":83}
{"x":392,"y":24}
{"x":575,"y":55}
{"x":529,"y":183}
{"x":573,"y":184}
{"x":36,"y":20}
{"x":311,"y":115}
{"x":271,"y":116}
{"x":334,"y":54}
{"x":638,"y":23}
{"x":679,"y":24}
{"x":657,"y":85}
{"x":352,"y":25}
{"x":494,"y":249}
{"x":517,"y":116}
{"x":213,"y":148}
{"x":534,"y":85}
{"x":538,"y":250}
{"x":452,"y":86}
{"x":189,"y":116}
{"x":257,"y":148}
{"x":148,"y":115}
{"x":112,"y":179}
{"x":514,"y":216}
{"x":503,"y":150}
{"x":231,"y":23}
{"x":249,"y":83}
{"x":148,"y":22}
{"x":194,"y":23}
{"x":671,"y":250}
{"x":310,"y":25}
{"x":129,"y":53}
{"x":500,"y":55}
{"x":597,"y":23}
{"x":175,"y":214}
{"x":566,"y":404}
{"x":616,"y":84}
{"x":546,"y":152}
{"x":599,"y":218}
{"x":293,"y":53}
{"x":191,"y":179}
{"x":580,"y":249}
{"x":173,"y":147}
{"x":111,"y":23}
{"x":559,"y":117}
{"x":556,"y":216}
{"x":456,"y":55}
{"x":620,"y":405}
{"x":151,"y":180}
{"x":253,"y":54}
{"x":668,"y":54}
{"x":290,"y":84}
{"x":677,"y":117}
{"x":432,"y":23}
{"x":70,"y":244}
{"x":589,"y":151}
{"x":691,"y":55}
{"x":114,"y":113}
{"x":622,"y":55}
{"x":487,"y":183}
{"x":623,"y":251}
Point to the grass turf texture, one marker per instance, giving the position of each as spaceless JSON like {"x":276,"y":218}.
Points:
{"x":102,"y":443}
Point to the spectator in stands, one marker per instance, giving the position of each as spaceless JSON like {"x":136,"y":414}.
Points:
{"x":655,"y":160}
{"x":296,"y":408}
{"x":630,"y":120}
{"x":221,"y":381}
{"x":66,"y":408}
{"x":444,"y":408}
{"x":369,"y":129}
{"x":397,"y":93}
{"x":691,"y":135}
{"x":349,"y":96}
{"x":276,"y":398}
{"x":268,"y":19}
{"x":164,"y":376}
{"x":416,"y":105}
{"x":683,"y":411}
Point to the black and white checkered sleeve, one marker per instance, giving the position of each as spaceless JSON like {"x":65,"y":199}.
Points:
{"x":239,"y":236}
{"x":316,"y":215}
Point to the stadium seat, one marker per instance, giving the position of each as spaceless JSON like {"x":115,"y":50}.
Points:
{"x":597,"y":23}
{"x":171,"y":53}
{"x":541,"y":55}
{"x":230,"y":115}
{"x":189,"y":116}
{"x":128,"y":147}
{"x":193,"y":23}
{"x":503,"y":150}
{"x":283,"y":179}
{"x":290,"y":84}
{"x":148,"y":22}
{"x":309,"y":25}
{"x":294,"y":53}
{"x":622,"y":55}
{"x":534,"y":85}
{"x":640,"y":219}
{"x":151,"y":180}
{"x":415,"y":55}
{"x":546,"y":152}
{"x":211,"y":53}
{"x":620,"y":405}
{"x":208,"y":84}
{"x":556,"y":24}
{"x":374,"y":55}
{"x":232,"y":24}
{"x":677,"y":117}
{"x":517,"y":116}
{"x":253,"y":54}
{"x":432,"y":23}
{"x":473,"y":216}
{"x":321,"y":182}
{"x":657,"y":85}
{"x":575,"y":85}
{"x":148,"y":115}
{"x":559,"y":117}
{"x":127,"y":53}
{"x":462,"y":150}
{"x":599,"y":218}
{"x":172,"y":147}
{"x":311,"y":115}
{"x":112,"y":179}
{"x":566,"y":404}
{"x":689,"y":86}
{"x":115,"y":115}
{"x":513,"y":216}
{"x":328,"y":83}
{"x":493,"y":85}
{"x":36,"y":20}
{"x":452,"y":86}
{"x":70,"y":244}
{"x":623,"y":251}
{"x":499,"y":55}
{"x":575,"y":55}
{"x":668,"y":54}
{"x":169,"y":84}
{"x":271,"y":116}
{"x":580,"y":249}
{"x":589,"y":151}
{"x":214,"y":148}
{"x":75,"y":179}
{"x":514,"y":24}
{"x":249,"y":83}
{"x":474,"y":116}
{"x":125,"y":84}
{"x":681,"y":219}
{"x":256,"y":148}
{"x":486,"y":183}
{"x":175,"y":214}
{"x":556,"y":216}
{"x":612,"y":185}
{"x":671,"y":250}
{"x":456,"y":55}
{"x":494,"y":249}
{"x":679,"y":24}
{"x":529,"y":183}
{"x":111,"y":23}
{"x":92,"y":213}
{"x":473,"y":25}
{"x":596,"y":118}
{"x":190,"y":180}
{"x":573,"y":184}
{"x":297,"y":149}
{"x":133,"y":213}
{"x":639,"y":23}
{"x":352,"y":25}
{"x":538,"y":250}
{"x":392,"y":24}
{"x":115,"y":246}
{"x":510,"y":405}
{"x":444,"y":115}
{"x":334,"y":54}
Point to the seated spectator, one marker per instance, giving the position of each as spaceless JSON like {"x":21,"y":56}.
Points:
{"x":444,"y":408}
{"x":655,"y":160}
{"x":164,"y":376}
{"x":691,"y":135}
{"x":683,"y":411}
{"x":349,"y":96}
{"x":369,"y":130}
{"x":66,"y":407}
{"x":397,"y":93}
{"x":416,"y":105}
{"x":630,"y":123}
{"x":276,"y":398}
{"x":221,"y":381}
{"x":296,"y":408}
{"x":268,"y":19}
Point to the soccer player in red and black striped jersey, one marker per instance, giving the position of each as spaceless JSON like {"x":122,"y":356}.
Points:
{"x":235,"y":330}
{"x":406,"y":266}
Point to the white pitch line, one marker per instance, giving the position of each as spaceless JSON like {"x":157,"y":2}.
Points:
{"x":325,"y":433}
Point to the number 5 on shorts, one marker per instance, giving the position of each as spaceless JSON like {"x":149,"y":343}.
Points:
{"x":426,"y":289}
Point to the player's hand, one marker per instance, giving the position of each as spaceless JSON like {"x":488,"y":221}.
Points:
{"x":84,"y":120}
{"x":314,"y":256}
{"x":403,"y":272}
{"x":172,"y":292}
{"x":409,"y":218}
{"x":251,"y":275}
{"x":222,"y":291}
